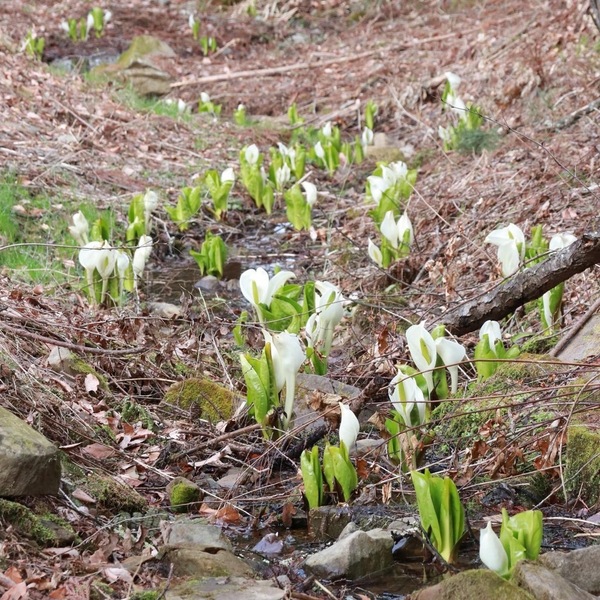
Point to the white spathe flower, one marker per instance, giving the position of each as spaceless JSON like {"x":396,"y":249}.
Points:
{"x":457,"y":105}
{"x":107,"y":16}
{"x":404,"y":394}
{"x":375,"y":253}
{"x":88,"y":258}
{"x":80,"y":228}
{"x":310,"y":190}
{"x":326,"y":129}
{"x":366,"y":137}
{"x":258,"y":288}
{"x":377,"y":187}
{"x":349,"y":426}
{"x":451,"y":353}
{"x":65,"y":26}
{"x":444,"y":134}
{"x":106,"y":260}
{"x":329,"y":301}
{"x":422,"y":351}
{"x":241,"y":107}
{"x":283,"y":149}
{"x":399,"y":169}
{"x":491,"y":550}
{"x":453,"y":79}
{"x":561,"y":240}
{"x":251,"y":154}
{"x":89,"y":24}
{"x":141,"y":255}
{"x":492,"y":330}
{"x":511,"y":247}
{"x":282,"y":176}
{"x":319,"y":150}
{"x":288,"y":355}
{"x":548,"y":316}
{"x":122,"y":263}
{"x":181,"y":105}
{"x":394,"y":231}
{"x":191,"y":21}
{"x":150,"y":204}
{"x":228,"y":175}
{"x":204,"y":98}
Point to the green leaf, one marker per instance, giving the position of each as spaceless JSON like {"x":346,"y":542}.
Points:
{"x":258,"y":384}
{"x":312,"y":477}
{"x":441,"y":512}
{"x":527,"y":527}
{"x":328,"y":468}
{"x":297,"y":209}
{"x":485,"y":368}
{"x":284,"y":313}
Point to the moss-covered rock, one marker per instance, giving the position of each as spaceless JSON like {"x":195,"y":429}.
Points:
{"x":45,"y":530}
{"x":113,"y":496}
{"x":582,"y":467}
{"x":142,"y":66}
{"x":473,"y":585}
{"x":212,"y":401}
{"x":182,"y":494}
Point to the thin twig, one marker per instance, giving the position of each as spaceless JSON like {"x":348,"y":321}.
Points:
{"x":64,"y":344}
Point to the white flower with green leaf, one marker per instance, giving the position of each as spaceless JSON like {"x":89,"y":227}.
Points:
{"x":375,"y":253}
{"x":408,"y":400}
{"x":80,"y":228}
{"x":511,"y":247}
{"x":259,"y":289}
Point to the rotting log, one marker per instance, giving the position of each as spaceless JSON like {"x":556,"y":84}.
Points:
{"x":524,"y":287}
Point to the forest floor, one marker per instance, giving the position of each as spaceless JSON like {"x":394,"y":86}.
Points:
{"x":67,"y":141}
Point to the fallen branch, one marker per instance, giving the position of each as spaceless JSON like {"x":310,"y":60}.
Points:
{"x":528,"y":285}
{"x":576,"y":115}
{"x":286,"y":69}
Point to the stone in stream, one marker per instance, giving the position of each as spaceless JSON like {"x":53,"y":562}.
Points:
{"x":29,"y":463}
{"x":354,"y":556}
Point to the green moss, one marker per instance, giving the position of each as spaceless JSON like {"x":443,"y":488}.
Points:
{"x":114,"y":496}
{"x":145,"y":596}
{"x":183,"y":495}
{"x":477,"y":584}
{"x":215,"y":402}
{"x":460,"y":420}
{"x":132,"y":412}
{"x":27,"y":523}
{"x":582,"y":468}
{"x":539,"y":344}
{"x":78,"y":365}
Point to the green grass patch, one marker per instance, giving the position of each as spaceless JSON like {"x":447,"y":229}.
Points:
{"x":34,"y":235}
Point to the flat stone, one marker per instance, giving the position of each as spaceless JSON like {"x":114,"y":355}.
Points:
{"x":190,"y":561}
{"x":29,"y":463}
{"x":194,"y":532}
{"x":580,"y":567}
{"x":354,"y":556}
{"x":226,"y":588}
{"x":584,"y":344}
{"x":544,"y":584}
{"x":60,"y":360}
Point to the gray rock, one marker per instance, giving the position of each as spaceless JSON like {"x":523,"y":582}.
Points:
{"x":29,"y":463}
{"x":328,"y":522}
{"x":197,"y":533}
{"x":60,"y":360}
{"x":580,"y":567}
{"x":226,"y":588}
{"x":544,"y":584}
{"x":584,"y":344}
{"x":190,"y":561}
{"x":355,"y":556}
{"x":482,"y":583}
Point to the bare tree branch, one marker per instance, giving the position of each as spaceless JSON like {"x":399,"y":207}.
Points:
{"x":528,"y":285}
